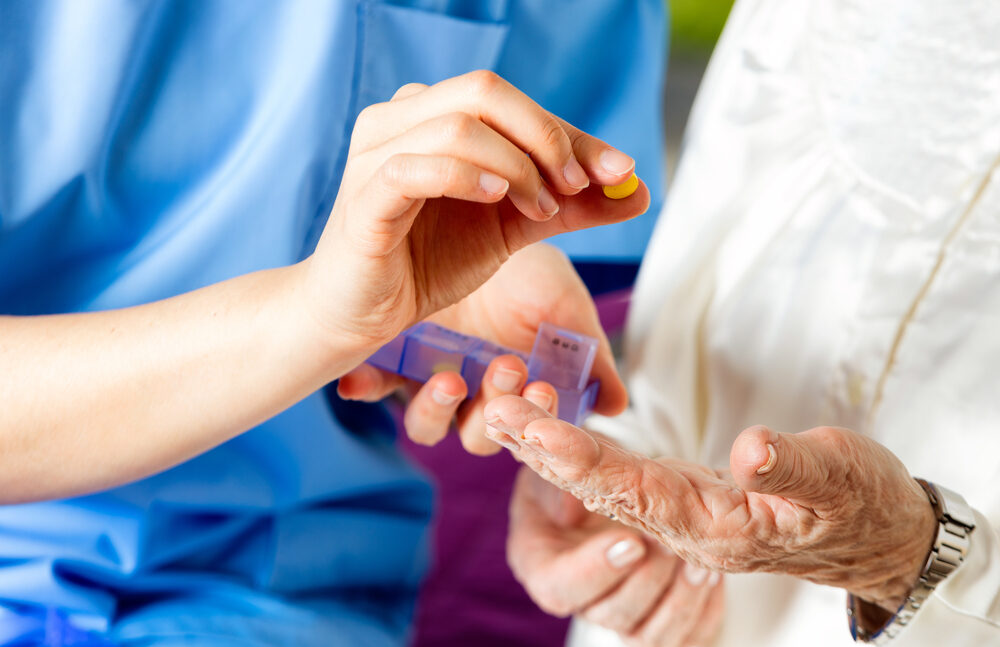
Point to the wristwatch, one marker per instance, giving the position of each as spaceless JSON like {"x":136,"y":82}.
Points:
{"x":955,"y":524}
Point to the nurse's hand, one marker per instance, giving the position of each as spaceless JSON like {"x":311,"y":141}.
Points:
{"x":572,"y":561}
{"x":537,"y":284}
{"x":442,"y":184}
{"x":827,"y":504}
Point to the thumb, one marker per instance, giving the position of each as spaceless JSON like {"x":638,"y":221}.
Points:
{"x":798,"y":467}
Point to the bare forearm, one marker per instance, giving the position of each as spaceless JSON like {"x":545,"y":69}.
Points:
{"x":98,"y":399}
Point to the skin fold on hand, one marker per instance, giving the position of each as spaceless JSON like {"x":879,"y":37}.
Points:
{"x":827,"y":504}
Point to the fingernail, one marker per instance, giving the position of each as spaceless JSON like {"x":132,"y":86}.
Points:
{"x":444,"y":399}
{"x":536,"y":445}
{"x":772,"y":458}
{"x":493,"y":184}
{"x":547,"y":203}
{"x":625,"y":552}
{"x":539,"y":398}
{"x":506,"y":380}
{"x":575,"y":176}
{"x":616,"y":162}
{"x":695,"y":575}
{"x":713,"y":579}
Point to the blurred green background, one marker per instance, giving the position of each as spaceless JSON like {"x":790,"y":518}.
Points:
{"x":695,"y":25}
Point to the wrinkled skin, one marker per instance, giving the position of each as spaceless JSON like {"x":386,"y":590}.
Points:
{"x":830,"y":506}
{"x":556,"y":548}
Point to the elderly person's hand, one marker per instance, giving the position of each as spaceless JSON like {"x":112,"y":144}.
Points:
{"x":537,"y":284}
{"x":827,"y":505}
{"x":572,"y":561}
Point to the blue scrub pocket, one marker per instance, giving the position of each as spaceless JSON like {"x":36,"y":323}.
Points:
{"x":400,"y":45}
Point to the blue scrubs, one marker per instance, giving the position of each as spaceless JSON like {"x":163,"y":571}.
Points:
{"x":151,"y":148}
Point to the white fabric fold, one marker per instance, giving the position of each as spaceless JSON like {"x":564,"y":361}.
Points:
{"x":830,"y":255}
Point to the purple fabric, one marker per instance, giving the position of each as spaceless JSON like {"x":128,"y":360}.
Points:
{"x":470,"y":596}
{"x":612,"y":309}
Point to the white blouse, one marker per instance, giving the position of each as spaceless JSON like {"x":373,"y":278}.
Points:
{"x":830,"y":255}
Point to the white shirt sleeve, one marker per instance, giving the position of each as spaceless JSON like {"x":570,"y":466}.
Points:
{"x":965,"y":608}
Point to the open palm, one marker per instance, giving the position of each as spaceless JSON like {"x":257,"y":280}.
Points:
{"x":827,"y":504}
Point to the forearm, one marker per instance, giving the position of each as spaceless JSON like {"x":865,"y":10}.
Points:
{"x":98,"y":399}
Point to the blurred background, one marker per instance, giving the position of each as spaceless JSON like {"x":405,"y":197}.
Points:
{"x":695,"y":25}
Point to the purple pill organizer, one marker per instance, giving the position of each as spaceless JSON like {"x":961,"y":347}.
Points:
{"x":560,"y":357}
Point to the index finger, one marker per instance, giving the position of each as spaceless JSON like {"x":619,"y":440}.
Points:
{"x":642,"y":493}
{"x":488,"y":97}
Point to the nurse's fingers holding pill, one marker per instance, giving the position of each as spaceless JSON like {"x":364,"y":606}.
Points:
{"x":487,"y":97}
{"x":462,"y":136}
{"x":441,"y":186}
{"x":607,"y":166}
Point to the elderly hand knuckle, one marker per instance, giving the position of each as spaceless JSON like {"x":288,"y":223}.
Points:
{"x":832,"y":437}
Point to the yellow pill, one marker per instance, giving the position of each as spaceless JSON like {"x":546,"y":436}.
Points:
{"x":623,"y":190}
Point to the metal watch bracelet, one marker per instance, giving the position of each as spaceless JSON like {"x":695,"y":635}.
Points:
{"x":955,"y":524}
